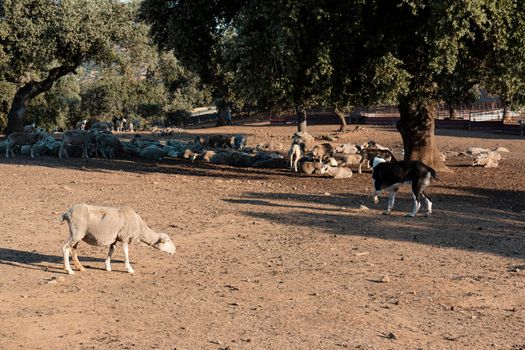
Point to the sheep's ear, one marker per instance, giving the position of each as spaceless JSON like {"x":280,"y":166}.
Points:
{"x":163,"y":238}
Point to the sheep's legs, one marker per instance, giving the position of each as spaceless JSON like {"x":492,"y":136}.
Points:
{"x":108,"y":259}
{"x":63,"y":150}
{"x":74,"y":256}
{"x":85,"y":152}
{"x":66,"y":249}
{"x":126,"y":257}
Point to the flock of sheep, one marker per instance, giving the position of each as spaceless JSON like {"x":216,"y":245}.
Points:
{"x":303,"y":156}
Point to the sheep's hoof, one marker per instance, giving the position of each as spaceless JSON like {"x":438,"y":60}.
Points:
{"x":386,"y":212}
{"x":131,"y":271}
{"x":108,"y":268}
{"x":409,"y":215}
{"x":71,"y":272}
{"x":82,"y":269}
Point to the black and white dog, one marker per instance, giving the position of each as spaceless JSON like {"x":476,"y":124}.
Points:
{"x":389,"y":176}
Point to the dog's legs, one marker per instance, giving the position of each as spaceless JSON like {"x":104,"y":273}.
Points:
{"x":417,"y":190}
{"x":376,"y":192}
{"x":416,"y":207}
{"x":391,"y":200}
{"x":428,"y":203}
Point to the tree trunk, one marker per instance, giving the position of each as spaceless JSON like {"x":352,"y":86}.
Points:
{"x":224,"y":116}
{"x":24,"y":95}
{"x":506,"y":115}
{"x":342,"y":119}
{"x":453,"y":112}
{"x":15,"y":117}
{"x":301,"y":118}
{"x":416,"y":126}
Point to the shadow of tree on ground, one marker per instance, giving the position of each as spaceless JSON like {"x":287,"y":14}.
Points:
{"x":482,"y":220}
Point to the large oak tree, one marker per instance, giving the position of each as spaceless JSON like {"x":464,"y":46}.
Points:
{"x":41,"y":41}
{"x":442,"y":49}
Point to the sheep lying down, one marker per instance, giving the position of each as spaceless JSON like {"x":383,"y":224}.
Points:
{"x":104,"y":226}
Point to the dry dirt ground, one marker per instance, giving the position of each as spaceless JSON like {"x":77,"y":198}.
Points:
{"x":267,"y":259}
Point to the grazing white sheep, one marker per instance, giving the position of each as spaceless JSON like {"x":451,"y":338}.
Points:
{"x":101,"y":126}
{"x":107,"y":142}
{"x":238,"y":141}
{"x":374,"y":145}
{"x":346,"y":159}
{"x":322,"y":152}
{"x":336,"y":172}
{"x":128,"y":126}
{"x":296,"y":152}
{"x":303,"y":137}
{"x":270,"y":146}
{"x":81,"y":125}
{"x":76,"y":137}
{"x":153,"y":152}
{"x":308,"y":166}
{"x":477,"y":150}
{"x":29,"y":128}
{"x":119,"y":125}
{"x":487,"y":159}
{"x":22,"y":138}
{"x":104,"y":226}
{"x":346,"y":148}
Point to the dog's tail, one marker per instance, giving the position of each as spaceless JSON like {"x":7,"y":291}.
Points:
{"x":392,"y":158}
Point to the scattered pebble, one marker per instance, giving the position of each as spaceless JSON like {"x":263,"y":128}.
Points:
{"x":385,"y":279}
{"x":363,"y":253}
{"x":391,"y":335}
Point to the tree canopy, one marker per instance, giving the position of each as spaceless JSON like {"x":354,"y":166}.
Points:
{"x":302,"y":53}
{"x":41,"y":41}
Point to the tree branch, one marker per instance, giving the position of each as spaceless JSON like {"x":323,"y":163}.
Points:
{"x":53,"y":75}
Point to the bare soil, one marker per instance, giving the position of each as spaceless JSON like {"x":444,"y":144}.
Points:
{"x":268,"y":259}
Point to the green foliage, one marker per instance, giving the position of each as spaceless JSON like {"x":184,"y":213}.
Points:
{"x":57,"y":108}
{"x":194,"y":31}
{"x":185,"y":89}
{"x":37,"y":35}
{"x":7,"y":92}
{"x":279,"y":55}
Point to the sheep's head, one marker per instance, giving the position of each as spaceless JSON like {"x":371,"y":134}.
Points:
{"x":324,"y":168}
{"x":165,"y":244}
